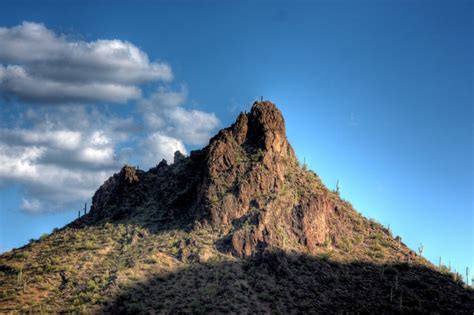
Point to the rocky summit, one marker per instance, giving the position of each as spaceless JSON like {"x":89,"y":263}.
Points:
{"x":239,"y":226}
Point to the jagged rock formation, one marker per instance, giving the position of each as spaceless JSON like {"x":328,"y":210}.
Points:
{"x":247,"y":175}
{"x":241,"y":226}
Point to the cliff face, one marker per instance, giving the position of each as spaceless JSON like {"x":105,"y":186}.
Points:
{"x":236,"y":227}
{"x":259,"y":190}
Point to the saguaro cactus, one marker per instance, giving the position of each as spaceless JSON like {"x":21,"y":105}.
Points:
{"x":467,"y":276}
{"x":19,"y":276}
{"x":420,"y":249}
{"x":401,"y":300}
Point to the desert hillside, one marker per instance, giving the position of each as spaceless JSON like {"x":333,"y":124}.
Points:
{"x":239,"y":226}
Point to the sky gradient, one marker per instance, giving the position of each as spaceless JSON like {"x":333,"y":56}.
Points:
{"x":375,"y":94}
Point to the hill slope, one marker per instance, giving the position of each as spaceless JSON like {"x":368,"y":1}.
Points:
{"x":239,"y":227}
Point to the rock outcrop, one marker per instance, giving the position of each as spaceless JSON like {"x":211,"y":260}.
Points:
{"x":247,"y":183}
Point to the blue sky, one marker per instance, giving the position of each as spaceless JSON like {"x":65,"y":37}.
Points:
{"x":376,"y":94}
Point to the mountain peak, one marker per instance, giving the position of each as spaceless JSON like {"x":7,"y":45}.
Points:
{"x":262,"y":130}
{"x":264,"y":126}
{"x":268,"y":115}
{"x":248,"y":171}
{"x":267,"y":128}
{"x":247,"y":184}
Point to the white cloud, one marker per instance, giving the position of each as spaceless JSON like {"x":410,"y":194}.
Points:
{"x":42,"y":66}
{"x":31,"y":206}
{"x":17,"y":81}
{"x":158,"y":145}
{"x":193,"y":126}
{"x":152,"y":107}
{"x":97,"y":155}
{"x":63,"y":139}
{"x":18,"y":162}
{"x":99,"y":138}
{"x":163,"y":112}
{"x":57,"y":162}
{"x":165,"y":97}
{"x":55,"y":184}
{"x":59,"y":155}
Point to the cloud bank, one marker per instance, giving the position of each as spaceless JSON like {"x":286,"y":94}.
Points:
{"x":163,"y":111}
{"x":38,"y":65}
{"x":57,"y":162}
{"x":59,"y":155}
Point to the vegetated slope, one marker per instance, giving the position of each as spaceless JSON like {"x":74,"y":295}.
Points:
{"x":239,"y":227}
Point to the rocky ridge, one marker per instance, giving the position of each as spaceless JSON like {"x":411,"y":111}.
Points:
{"x":247,"y":183}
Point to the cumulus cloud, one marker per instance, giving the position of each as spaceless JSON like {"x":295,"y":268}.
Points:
{"x":159,"y":145}
{"x":63,"y":139}
{"x":59,"y":155}
{"x":38,"y":65}
{"x":193,"y":126}
{"x":31,"y":206}
{"x":56,"y":165}
{"x":163,"y":111}
{"x":17,"y":81}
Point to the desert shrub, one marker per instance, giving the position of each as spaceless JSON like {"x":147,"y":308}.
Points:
{"x":24,"y":255}
{"x":136,"y":308}
{"x":108,"y":226}
{"x":326,"y":255}
{"x":257,"y":156}
{"x":264,"y":296}
{"x":345,"y":244}
{"x":5,"y":294}
{"x":93,"y":286}
{"x":444,"y":269}
{"x":358,"y":239}
{"x":376,"y":236}
{"x":377,"y":250}
{"x":88,"y":245}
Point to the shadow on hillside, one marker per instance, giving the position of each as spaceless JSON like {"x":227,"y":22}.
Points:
{"x":154,"y":221}
{"x":276,"y":282}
